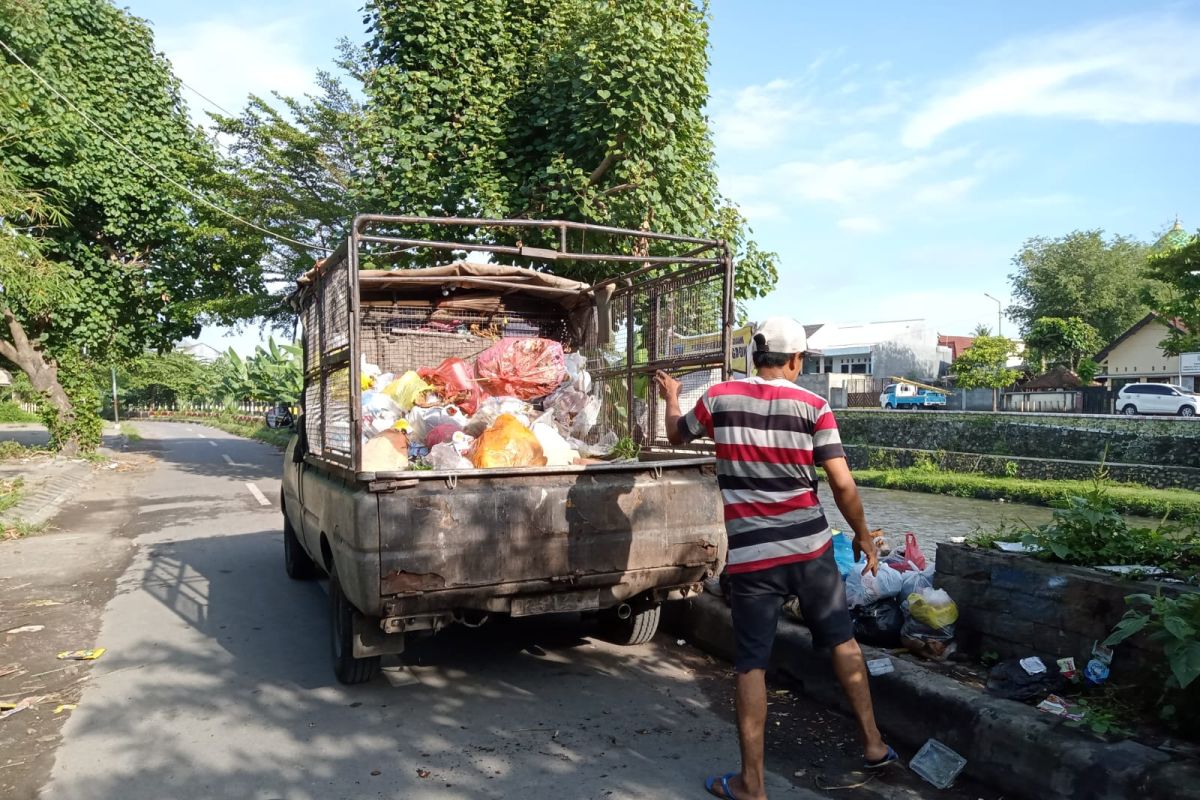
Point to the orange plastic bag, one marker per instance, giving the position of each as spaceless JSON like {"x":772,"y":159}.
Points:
{"x":508,"y":443}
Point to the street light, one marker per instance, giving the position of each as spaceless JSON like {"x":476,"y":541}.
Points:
{"x":999,"y":312}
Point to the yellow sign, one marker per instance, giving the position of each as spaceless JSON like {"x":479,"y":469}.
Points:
{"x":740,"y":362}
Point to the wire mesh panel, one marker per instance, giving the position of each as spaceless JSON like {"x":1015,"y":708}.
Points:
{"x":312,"y":336}
{"x":312,"y":417}
{"x":687,"y":317}
{"x":337,"y":416}
{"x":335,"y":301}
{"x":402,"y":336}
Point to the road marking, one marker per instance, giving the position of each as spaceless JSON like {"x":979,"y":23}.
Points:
{"x":201,"y":435}
{"x":214,"y":444}
{"x":258,"y":495}
{"x":228,"y":460}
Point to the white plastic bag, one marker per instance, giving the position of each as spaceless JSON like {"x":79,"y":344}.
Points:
{"x":423,"y":420}
{"x":491,"y":409}
{"x":856,"y":595}
{"x":447,"y":456}
{"x":558,"y":452}
{"x":580,"y":379}
{"x":379,"y":412}
{"x":887,"y":583}
{"x":913,"y":582}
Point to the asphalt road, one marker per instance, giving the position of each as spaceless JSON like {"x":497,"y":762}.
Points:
{"x":217,"y":682}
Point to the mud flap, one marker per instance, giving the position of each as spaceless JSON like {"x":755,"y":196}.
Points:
{"x":369,"y":640}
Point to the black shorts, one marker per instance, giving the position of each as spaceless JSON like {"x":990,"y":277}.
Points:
{"x":756,"y":599}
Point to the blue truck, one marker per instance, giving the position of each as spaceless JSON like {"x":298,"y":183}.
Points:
{"x":906,"y":394}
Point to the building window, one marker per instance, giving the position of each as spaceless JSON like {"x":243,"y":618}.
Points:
{"x":859,"y":369}
{"x":845,"y":368}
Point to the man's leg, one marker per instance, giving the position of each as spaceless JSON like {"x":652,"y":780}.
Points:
{"x":851,"y":670}
{"x":752,"y":722}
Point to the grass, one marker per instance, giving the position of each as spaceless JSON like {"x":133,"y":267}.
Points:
{"x":21,"y":530}
{"x":1125,"y":498}
{"x":10,"y":450}
{"x":11,"y":412}
{"x":10,"y":493}
{"x":130,"y":432}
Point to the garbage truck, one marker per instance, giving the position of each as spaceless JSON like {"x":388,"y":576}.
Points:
{"x":628,"y":524}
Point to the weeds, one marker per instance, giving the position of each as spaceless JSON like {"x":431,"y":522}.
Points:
{"x":10,"y":493}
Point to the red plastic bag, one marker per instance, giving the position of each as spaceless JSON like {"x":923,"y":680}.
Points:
{"x":912,"y":556}
{"x":452,"y":379}
{"x":521,"y":368}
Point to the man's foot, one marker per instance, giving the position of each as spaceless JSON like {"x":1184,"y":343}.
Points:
{"x":882,"y":757}
{"x":731,"y":787}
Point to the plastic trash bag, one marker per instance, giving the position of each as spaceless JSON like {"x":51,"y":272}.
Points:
{"x":887,"y":584}
{"x":908,"y":558}
{"x":367,"y":373}
{"x":558,"y":451}
{"x":1009,"y":679}
{"x":913,"y":582}
{"x":380,"y":412}
{"x":879,"y":623}
{"x":454,"y":381}
{"x":387,"y":452}
{"x":933,"y":607}
{"x":490,"y":409}
{"x":843,"y":552}
{"x":856,"y":595}
{"x":927,"y":641}
{"x":409,"y":390}
{"x":440,"y":434}
{"x":424,"y":420}
{"x":523,"y":368}
{"x":446,"y":456}
{"x":580,"y":379}
{"x":508,"y":443}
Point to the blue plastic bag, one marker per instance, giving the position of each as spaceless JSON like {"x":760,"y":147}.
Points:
{"x":843,"y":553}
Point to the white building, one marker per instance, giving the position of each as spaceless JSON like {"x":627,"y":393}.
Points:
{"x":908,"y":348}
{"x":202,"y":352}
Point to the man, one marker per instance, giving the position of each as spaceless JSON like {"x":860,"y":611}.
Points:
{"x":770,"y":436}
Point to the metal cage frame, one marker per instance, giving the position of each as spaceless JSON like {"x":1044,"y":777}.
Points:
{"x":337,"y":348}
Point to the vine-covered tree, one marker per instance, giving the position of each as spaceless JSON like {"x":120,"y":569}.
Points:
{"x":130,"y":259}
{"x":984,"y":365}
{"x":1054,"y":340}
{"x":1178,"y":271}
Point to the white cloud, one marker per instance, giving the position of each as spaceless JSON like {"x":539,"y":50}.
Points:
{"x":862,"y":224}
{"x":1135,"y":70}
{"x":760,"y":116}
{"x":855,"y":180}
{"x":944,"y":192}
{"x":227,"y":60}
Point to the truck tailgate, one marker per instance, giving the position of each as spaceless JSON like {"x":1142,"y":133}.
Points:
{"x":574,"y":528}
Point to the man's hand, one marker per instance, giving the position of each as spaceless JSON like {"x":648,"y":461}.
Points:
{"x":866,"y":545}
{"x":668,"y":387}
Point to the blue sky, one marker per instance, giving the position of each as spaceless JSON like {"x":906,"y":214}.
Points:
{"x":895,"y":156}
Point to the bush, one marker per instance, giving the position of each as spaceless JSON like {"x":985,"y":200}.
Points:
{"x":11,"y":412}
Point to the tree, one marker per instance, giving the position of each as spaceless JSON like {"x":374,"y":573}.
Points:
{"x":1178,"y":271}
{"x":131,"y":261}
{"x":1081,"y":275}
{"x":1054,"y":340}
{"x":984,"y":365}
{"x":166,"y":379}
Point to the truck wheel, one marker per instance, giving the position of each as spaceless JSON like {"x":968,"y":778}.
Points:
{"x":638,"y":628}
{"x":296,"y":562}
{"x":890,"y":406}
{"x":348,"y":669}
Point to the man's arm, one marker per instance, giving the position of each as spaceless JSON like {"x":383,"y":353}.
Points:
{"x":845,"y":494}
{"x":668,"y":389}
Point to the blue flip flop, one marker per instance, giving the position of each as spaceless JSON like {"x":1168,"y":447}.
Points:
{"x":723,"y":782}
{"x":891,"y":758}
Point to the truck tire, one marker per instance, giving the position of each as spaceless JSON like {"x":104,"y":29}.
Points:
{"x":348,"y":669}
{"x":296,"y":562}
{"x":639,"y":628}
{"x":890,"y":406}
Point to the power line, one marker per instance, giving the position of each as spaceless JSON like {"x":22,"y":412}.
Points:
{"x":206,"y":98}
{"x":186,"y":189}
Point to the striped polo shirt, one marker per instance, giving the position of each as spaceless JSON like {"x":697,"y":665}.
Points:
{"x":770,"y":435}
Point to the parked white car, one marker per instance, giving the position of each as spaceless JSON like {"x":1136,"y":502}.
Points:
{"x":1157,"y":398}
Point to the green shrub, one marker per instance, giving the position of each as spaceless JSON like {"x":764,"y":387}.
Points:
{"x":881,"y":459}
{"x":11,"y":412}
{"x":1011,"y":469}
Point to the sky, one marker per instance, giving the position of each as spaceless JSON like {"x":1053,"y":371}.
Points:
{"x":895,"y":157}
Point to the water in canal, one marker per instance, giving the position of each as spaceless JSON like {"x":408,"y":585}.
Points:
{"x":932,"y":517}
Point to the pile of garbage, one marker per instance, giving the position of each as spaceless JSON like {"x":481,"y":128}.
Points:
{"x":898,"y":606}
{"x":523,"y":403}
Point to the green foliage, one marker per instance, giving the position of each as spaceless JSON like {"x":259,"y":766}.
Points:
{"x":1089,"y":531}
{"x":272,"y":374}
{"x":165,"y":379}
{"x":1103,"y":718}
{"x":11,"y":412}
{"x":10,"y":493}
{"x":626,"y":448}
{"x":983,"y":365}
{"x":881,"y":459}
{"x":1178,"y":271}
{"x":1087,"y":370}
{"x":987,"y":539}
{"x":1080,"y":275}
{"x":927,"y":463}
{"x":1011,"y":469}
{"x":1054,"y":340}
{"x":1173,"y":623}
{"x":84,"y":425}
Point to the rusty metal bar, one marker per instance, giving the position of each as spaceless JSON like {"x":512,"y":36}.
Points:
{"x":355,"y":348}
{"x":362,"y":220}
{"x":469,"y":281}
{"x":534,"y":253}
{"x":730,"y":314}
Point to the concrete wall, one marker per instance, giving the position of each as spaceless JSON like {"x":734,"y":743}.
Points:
{"x":1169,"y":441}
{"x":1019,"y":606}
{"x":1042,"y":402}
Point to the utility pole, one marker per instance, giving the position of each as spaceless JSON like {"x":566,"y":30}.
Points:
{"x":116,"y":411}
{"x":999,"y":314}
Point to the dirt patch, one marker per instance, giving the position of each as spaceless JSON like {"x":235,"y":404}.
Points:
{"x":52,"y":593}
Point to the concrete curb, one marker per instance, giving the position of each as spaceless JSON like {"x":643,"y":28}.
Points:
{"x":1007,"y":744}
{"x":51,"y":493}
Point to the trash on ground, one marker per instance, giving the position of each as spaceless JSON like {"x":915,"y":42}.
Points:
{"x":879,"y":623}
{"x":908,"y":557}
{"x":1067,"y":667}
{"x":1017,"y":547}
{"x":9,"y":669}
{"x":958,"y":539}
{"x":65,"y":707}
{"x":880,"y":666}
{"x":1009,"y":680}
{"x":422,"y":773}
{"x":26,"y":629}
{"x":82,"y":655}
{"x":8,"y":709}
{"x":1097,"y":669}
{"x":1059,"y":707}
{"x":40,"y":603}
{"x":1033,"y":665}
{"x":937,"y":763}
{"x":1131,"y":569}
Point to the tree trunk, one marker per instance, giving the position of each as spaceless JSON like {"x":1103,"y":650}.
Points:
{"x":42,"y":373}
